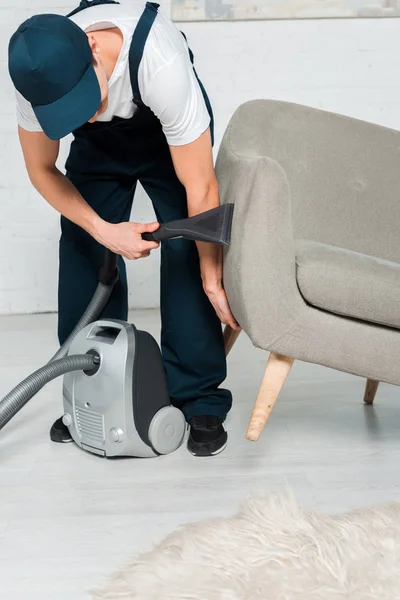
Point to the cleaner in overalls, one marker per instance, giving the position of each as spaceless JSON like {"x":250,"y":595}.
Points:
{"x":122,"y":81}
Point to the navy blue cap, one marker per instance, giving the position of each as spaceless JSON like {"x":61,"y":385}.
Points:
{"x":50,"y":64}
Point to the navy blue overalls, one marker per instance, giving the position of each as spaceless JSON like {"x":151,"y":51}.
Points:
{"x":105,"y":162}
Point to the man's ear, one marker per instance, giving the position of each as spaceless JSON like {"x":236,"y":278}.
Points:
{"x":94,"y":47}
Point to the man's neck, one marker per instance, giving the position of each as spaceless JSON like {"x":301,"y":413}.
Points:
{"x":110,"y":42}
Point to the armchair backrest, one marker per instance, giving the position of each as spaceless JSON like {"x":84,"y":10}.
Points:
{"x":344,"y":173}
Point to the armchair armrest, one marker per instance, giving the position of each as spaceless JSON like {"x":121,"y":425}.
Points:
{"x":259,"y":264}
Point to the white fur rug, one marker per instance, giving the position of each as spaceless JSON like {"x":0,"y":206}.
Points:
{"x":272,"y":550}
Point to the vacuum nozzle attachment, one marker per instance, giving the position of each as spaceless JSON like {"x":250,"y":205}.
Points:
{"x":212,"y":226}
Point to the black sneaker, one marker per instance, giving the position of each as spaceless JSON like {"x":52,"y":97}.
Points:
{"x":207,"y":436}
{"x":60,"y":433}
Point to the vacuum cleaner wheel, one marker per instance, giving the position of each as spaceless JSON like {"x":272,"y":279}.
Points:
{"x":167,"y":430}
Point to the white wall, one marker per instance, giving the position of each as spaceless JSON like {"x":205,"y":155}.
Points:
{"x":348,"y":66}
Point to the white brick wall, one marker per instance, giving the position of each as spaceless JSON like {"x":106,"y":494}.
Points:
{"x":348,"y":66}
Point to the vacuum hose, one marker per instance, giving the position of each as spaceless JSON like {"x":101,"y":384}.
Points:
{"x":24,"y":391}
{"x":97,"y":303}
{"x":60,"y":364}
{"x":108,"y":277}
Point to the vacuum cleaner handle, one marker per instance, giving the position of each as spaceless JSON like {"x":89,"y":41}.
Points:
{"x":212,"y":226}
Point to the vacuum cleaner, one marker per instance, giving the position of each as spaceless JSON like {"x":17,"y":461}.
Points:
{"x":115,"y":395}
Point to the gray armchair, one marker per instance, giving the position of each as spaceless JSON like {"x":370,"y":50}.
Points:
{"x":313,"y":269}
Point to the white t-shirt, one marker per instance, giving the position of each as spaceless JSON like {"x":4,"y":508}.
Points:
{"x":167,"y":83}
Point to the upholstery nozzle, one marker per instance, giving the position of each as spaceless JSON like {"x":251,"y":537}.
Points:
{"x":212,"y":226}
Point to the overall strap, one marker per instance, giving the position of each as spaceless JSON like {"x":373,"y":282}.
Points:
{"x":88,"y":3}
{"x":139,"y":39}
{"x":203,"y":91}
{"x":191,"y":55}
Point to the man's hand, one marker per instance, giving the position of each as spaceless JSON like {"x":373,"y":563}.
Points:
{"x":126,"y":238}
{"x":217,"y":296}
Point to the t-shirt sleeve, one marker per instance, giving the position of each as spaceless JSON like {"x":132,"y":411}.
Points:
{"x":25,"y":116}
{"x":175,"y":97}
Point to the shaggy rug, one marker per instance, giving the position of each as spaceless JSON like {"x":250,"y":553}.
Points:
{"x":271,"y":550}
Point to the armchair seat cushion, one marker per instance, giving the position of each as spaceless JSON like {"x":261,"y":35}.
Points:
{"x":348,"y":283}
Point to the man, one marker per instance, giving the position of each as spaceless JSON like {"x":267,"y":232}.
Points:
{"x":122,"y":81}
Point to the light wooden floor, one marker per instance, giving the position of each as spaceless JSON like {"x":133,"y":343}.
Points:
{"x":68,"y":518}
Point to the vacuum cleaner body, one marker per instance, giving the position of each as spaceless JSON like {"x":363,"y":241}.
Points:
{"x":121,"y":408}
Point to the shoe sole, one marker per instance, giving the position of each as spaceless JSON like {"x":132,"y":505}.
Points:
{"x":58,"y":438}
{"x":212,"y":453}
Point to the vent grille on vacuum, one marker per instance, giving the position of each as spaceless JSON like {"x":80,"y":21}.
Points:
{"x":90,"y":423}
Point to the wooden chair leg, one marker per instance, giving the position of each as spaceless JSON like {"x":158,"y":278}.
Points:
{"x":371,"y":388}
{"x":230,"y":337}
{"x":276,"y":372}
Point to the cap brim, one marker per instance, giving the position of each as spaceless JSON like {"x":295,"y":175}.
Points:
{"x":71,"y":111}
